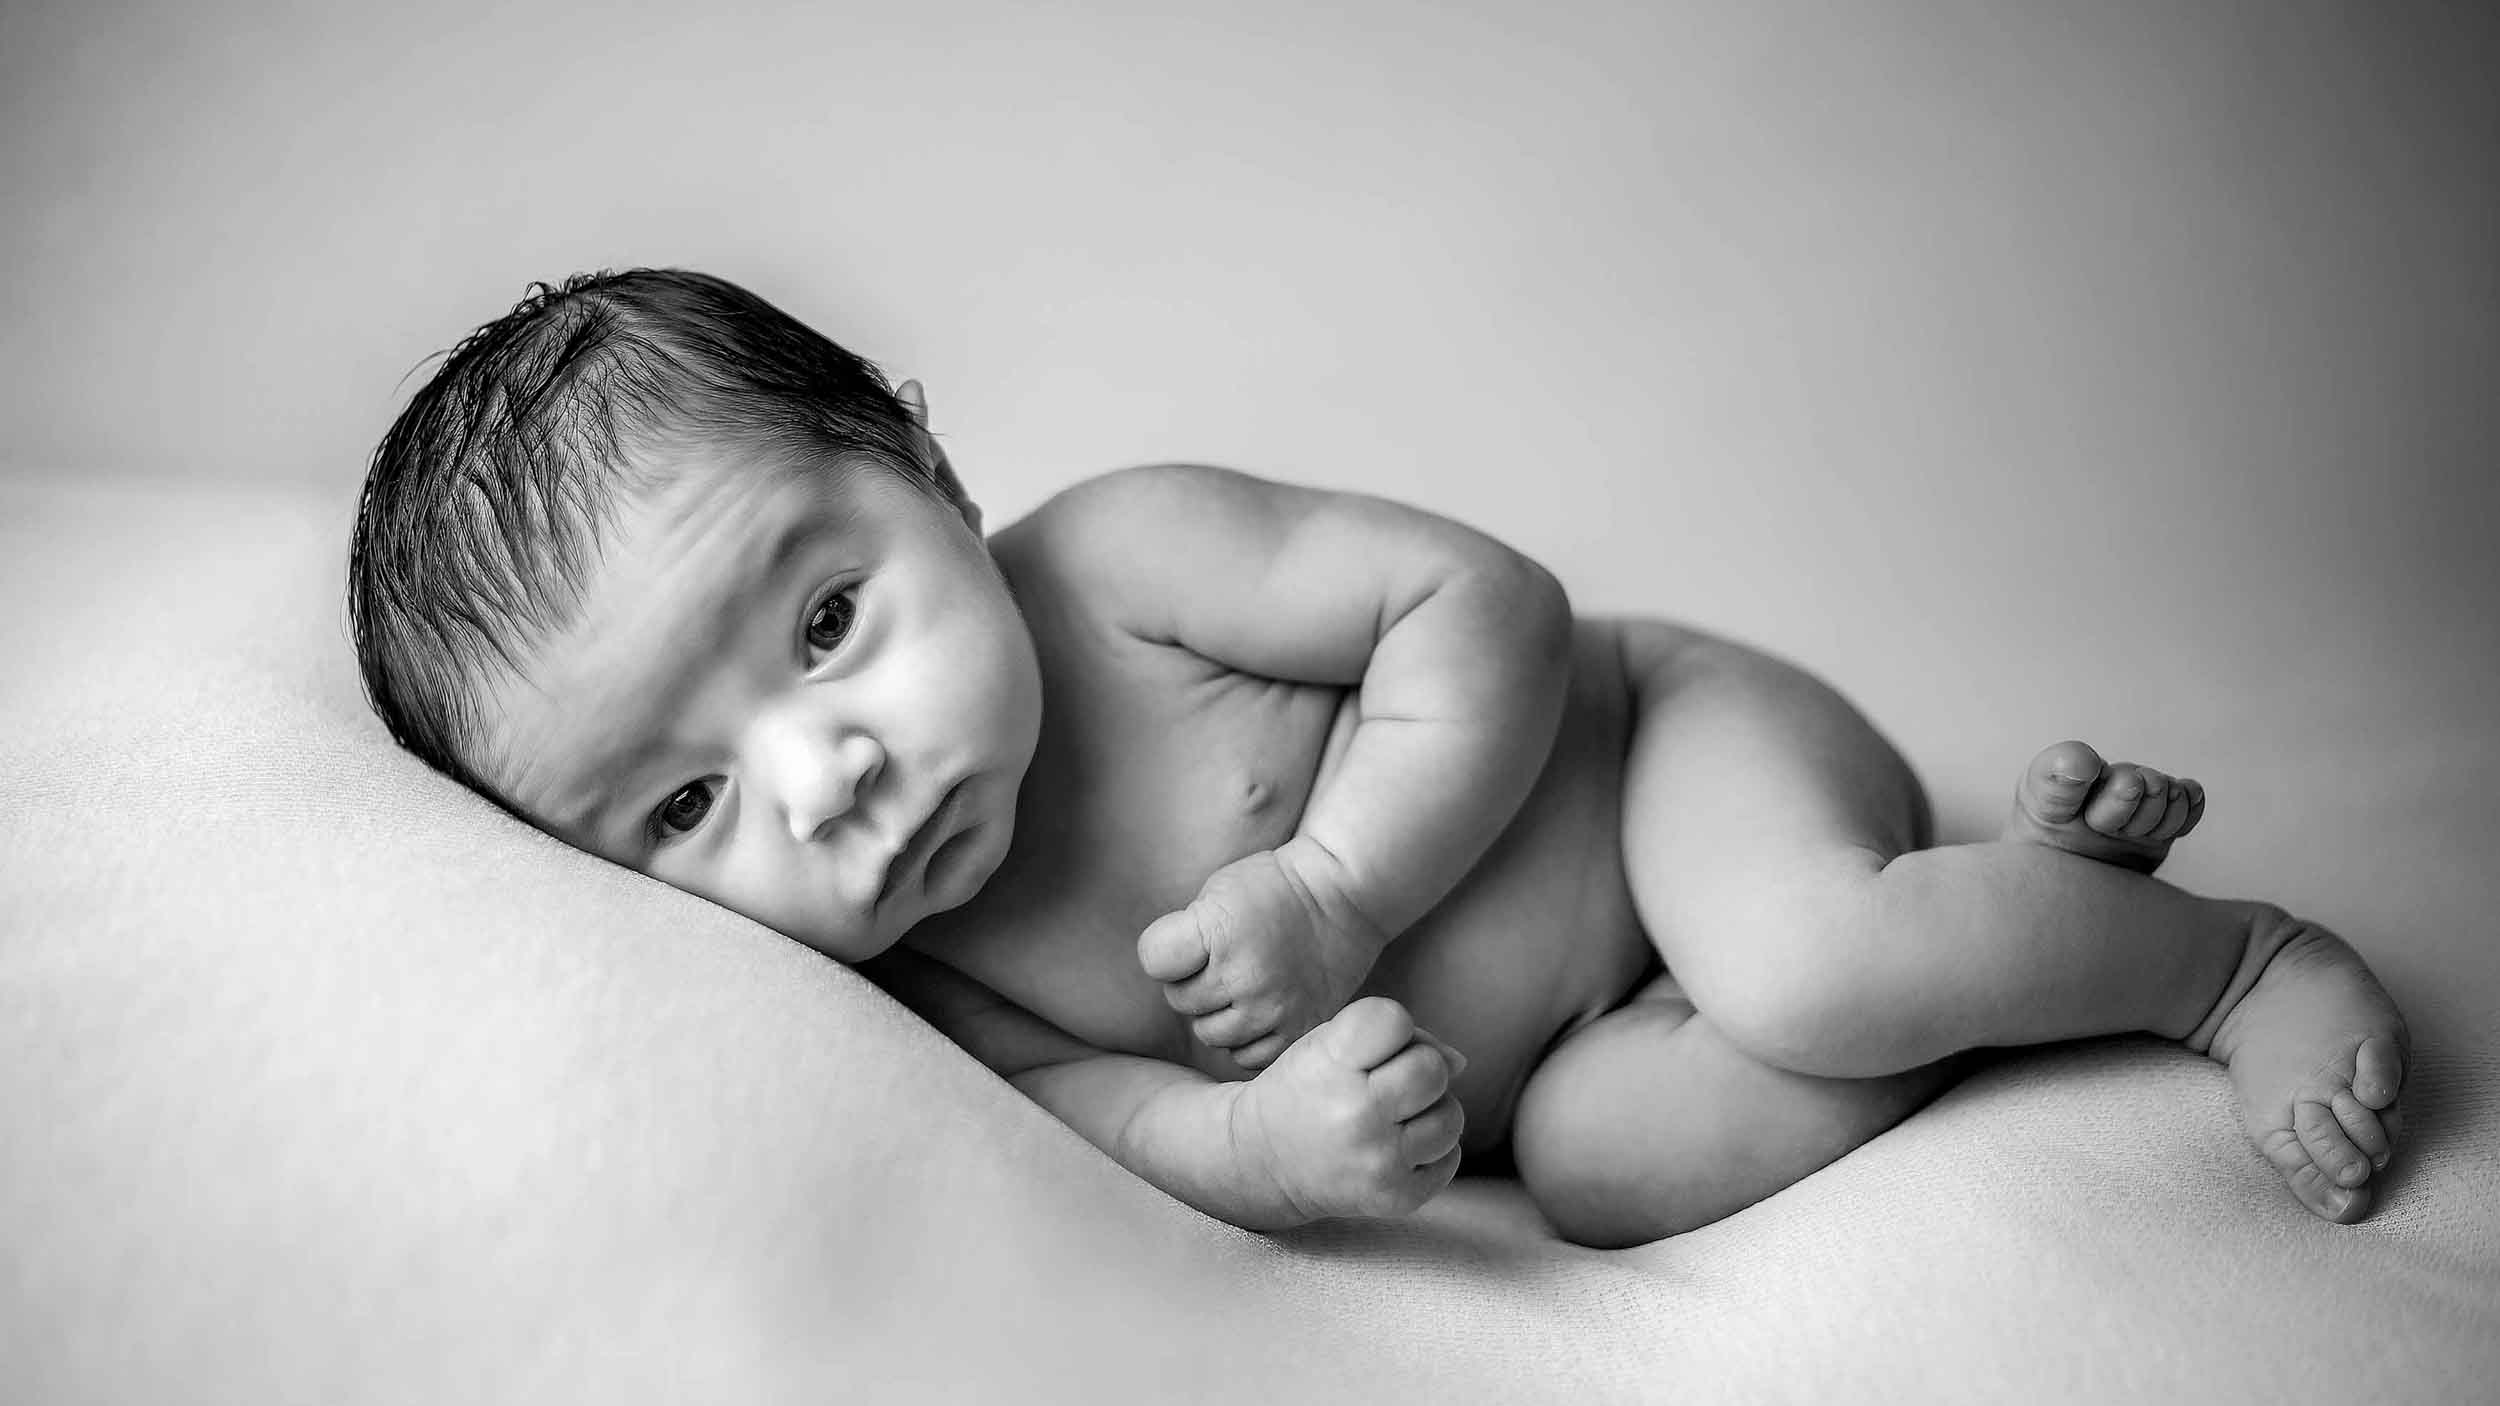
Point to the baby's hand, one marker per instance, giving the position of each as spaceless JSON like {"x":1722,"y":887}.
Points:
{"x":1258,"y":958}
{"x":1356,"y":1118}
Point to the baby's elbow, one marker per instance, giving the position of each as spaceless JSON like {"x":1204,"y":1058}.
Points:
{"x":1516,"y":617}
{"x":1539,"y":609}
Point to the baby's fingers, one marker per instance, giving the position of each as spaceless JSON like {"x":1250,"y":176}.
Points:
{"x":1258,"y":1054}
{"x":1226,"y":1029}
{"x":1416,"y":1077}
{"x":1449,"y":1052}
{"x":1432,"y":1134}
{"x":1436,"y":1175}
{"x":1172,"y":948}
{"x":1202,"y":995}
{"x":1236,"y":1029}
{"x":1367,"y":1032}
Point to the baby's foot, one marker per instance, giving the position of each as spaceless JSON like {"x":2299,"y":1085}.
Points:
{"x":2117,"y":812}
{"x":2317,"y":1055}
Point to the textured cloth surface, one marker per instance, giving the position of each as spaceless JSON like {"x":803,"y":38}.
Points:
{"x":324,"y":1081}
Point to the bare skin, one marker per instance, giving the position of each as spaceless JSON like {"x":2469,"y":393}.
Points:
{"x":2325,"y":1126}
{"x":2124,"y":814}
{"x":1339,"y":848}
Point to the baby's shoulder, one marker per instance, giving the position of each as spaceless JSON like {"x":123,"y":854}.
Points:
{"x":1148,"y":501}
{"x":1117,"y":540}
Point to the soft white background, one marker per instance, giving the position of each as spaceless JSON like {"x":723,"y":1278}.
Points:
{"x":2005,"y":362}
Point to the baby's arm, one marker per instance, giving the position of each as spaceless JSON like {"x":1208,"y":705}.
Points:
{"x":1460,"y":648}
{"x":1356,"y":1119}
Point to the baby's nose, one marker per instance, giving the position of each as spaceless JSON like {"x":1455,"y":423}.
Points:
{"x":822,"y":778}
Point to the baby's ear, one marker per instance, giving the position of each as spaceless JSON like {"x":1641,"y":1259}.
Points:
{"x":933,"y":456}
{"x":915,"y":400}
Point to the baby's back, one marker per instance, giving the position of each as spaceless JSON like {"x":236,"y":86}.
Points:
{"x":1156,"y":766}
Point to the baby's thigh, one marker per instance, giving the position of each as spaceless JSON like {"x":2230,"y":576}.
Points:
{"x":1755,"y":796}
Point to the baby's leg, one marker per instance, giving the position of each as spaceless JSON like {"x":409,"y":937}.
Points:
{"x":1654,"y":1119}
{"x":1649,"y":1121}
{"x":1771,"y":839}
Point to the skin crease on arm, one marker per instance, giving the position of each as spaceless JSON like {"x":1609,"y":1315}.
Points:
{"x":1461,"y":647}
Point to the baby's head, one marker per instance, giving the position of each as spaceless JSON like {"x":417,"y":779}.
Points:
{"x":674,"y":578}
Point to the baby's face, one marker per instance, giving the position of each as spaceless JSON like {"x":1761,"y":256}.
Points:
{"x":808,"y":698}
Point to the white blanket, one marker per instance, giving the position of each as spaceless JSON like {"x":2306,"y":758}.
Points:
{"x":323,"y":1081}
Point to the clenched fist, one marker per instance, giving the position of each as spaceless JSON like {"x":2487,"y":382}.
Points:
{"x":1356,"y":1118}
{"x":1261,"y":956}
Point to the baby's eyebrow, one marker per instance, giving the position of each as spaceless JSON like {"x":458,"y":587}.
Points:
{"x":613,"y":774}
{"x":574,"y":796}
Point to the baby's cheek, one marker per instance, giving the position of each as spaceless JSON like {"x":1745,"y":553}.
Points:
{"x":736,"y":887}
{"x":807,"y":912}
{"x":1008,"y":706}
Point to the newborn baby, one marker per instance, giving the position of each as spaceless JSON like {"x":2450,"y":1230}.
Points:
{"x":1285,"y":843}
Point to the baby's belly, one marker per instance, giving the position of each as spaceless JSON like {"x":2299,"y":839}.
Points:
{"x":1541,"y":936}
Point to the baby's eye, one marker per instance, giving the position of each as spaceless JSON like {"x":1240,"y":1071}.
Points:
{"x":683,"y":810}
{"x":831,"y":621}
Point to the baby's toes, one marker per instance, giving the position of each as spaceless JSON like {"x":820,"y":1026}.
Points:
{"x":2193,"y":793}
{"x":2322,"y":1133}
{"x":2116,"y":799}
{"x":2154,"y":805}
{"x":2361,"y":1124}
{"x":2059,"y":780}
{"x":2378,"y":1071}
{"x":2175,"y":815}
{"x":2309,"y":1183}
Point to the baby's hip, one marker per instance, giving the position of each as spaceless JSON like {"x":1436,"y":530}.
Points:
{"x":1547,"y":933}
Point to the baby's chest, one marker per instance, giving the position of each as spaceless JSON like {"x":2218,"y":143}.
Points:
{"x":1146,"y":780}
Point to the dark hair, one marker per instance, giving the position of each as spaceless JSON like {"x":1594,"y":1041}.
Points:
{"x":483,"y":504}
